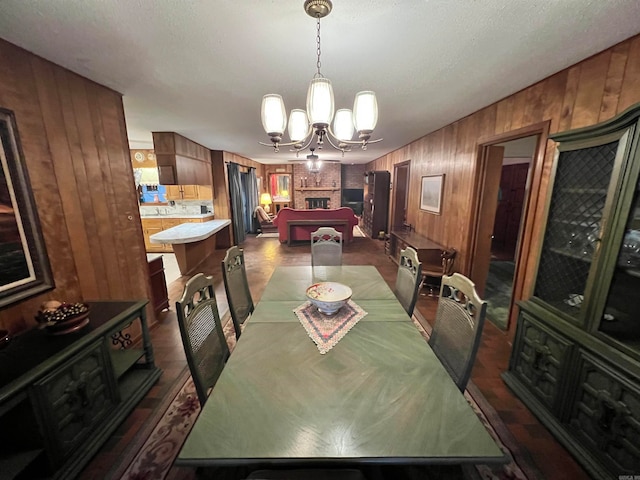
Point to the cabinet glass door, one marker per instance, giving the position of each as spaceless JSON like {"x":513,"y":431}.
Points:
{"x":621,"y":319}
{"x":574,"y":224}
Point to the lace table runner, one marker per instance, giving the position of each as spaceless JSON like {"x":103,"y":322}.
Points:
{"x":327,"y":330}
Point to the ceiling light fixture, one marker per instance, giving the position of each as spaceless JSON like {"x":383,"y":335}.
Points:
{"x":315,"y":122}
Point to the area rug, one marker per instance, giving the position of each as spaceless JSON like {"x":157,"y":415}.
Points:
{"x":357,"y":231}
{"x":154,"y":449}
{"x":268,"y":235}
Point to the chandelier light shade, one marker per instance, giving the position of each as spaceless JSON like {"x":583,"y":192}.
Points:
{"x":274,"y":118}
{"x":320,"y":102}
{"x":298,"y":125}
{"x":315,"y":122}
{"x":365,"y":112}
{"x":343,"y":125}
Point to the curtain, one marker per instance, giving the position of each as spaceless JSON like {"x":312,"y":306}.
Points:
{"x":253,"y":199}
{"x":237,"y":207}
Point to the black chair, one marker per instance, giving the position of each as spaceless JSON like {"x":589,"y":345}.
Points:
{"x":202,"y":336}
{"x":236,"y":286}
{"x":458,"y":327}
{"x":408,"y":279}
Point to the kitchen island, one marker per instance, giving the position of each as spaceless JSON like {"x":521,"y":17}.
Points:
{"x":192,"y":243}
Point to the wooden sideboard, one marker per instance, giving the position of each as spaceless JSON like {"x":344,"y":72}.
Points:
{"x":62,"y":396}
{"x":401,"y":239}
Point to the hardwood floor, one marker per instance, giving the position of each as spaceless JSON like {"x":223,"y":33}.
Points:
{"x":262,"y":256}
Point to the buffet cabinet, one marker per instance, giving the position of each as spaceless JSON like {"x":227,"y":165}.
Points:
{"x":375,"y":211}
{"x":62,"y":396}
{"x":576,"y":356}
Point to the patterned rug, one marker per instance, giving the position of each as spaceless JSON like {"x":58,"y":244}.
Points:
{"x":156,"y":446}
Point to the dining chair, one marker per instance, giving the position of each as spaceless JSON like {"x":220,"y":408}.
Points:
{"x":326,"y":247}
{"x":202,"y":336}
{"x":236,"y":286}
{"x":458,"y":327}
{"x":408,"y":279}
{"x":436,"y":264}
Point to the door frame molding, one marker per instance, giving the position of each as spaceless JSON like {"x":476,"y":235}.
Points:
{"x":392,"y":207}
{"x":531,"y":202}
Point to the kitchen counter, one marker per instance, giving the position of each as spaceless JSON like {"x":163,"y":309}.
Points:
{"x":179,"y":215}
{"x":189,"y":232}
{"x":193,"y":242}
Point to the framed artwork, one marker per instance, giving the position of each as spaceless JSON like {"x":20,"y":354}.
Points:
{"x":431,"y":193}
{"x":23,"y":258}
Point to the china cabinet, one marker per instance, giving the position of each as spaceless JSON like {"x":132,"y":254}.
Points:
{"x":576,"y":356}
{"x":375,"y":211}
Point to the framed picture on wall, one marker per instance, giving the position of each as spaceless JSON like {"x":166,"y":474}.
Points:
{"x":23,"y":258}
{"x":431,"y":193}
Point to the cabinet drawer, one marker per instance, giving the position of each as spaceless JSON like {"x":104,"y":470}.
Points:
{"x":605,"y":415}
{"x":73,"y":399}
{"x":539,"y":359}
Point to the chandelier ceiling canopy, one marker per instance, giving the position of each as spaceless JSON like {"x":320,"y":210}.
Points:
{"x":314,"y":123}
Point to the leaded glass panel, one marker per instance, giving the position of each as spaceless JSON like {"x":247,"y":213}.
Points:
{"x":573,"y":229}
{"x":621,"y":315}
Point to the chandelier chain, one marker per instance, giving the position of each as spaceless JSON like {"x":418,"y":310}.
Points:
{"x":318,"y":48}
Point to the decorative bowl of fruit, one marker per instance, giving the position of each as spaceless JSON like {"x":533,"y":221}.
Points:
{"x":58,"y":318}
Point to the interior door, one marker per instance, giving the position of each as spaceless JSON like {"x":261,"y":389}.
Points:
{"x":513,"y":182}
{"x":491,"y":170}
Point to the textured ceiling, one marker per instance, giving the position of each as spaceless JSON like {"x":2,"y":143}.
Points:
{"x":200,"y":68}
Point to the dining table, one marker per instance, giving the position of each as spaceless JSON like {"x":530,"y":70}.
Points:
{"x":380,"y":396}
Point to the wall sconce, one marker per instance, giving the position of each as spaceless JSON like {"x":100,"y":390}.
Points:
{"x":265,"y":199}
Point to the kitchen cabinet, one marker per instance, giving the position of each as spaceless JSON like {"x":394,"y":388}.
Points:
{"x":180,"y":160}
{"x":63,"y":396}
{"x":189,"y":192}
{"x":375,"y":211}
{"x":576,"y":356}
{"x":151,"y":226}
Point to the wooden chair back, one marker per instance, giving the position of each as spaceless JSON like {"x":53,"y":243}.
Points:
{"x":236,"y":286}
{"x":205,"y":345}
{"x":408,"y":279}
{"x":458,"y":327}
{"x":326,"y":247}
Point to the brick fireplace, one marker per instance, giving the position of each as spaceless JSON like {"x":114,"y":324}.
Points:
{"x":317,"y":202}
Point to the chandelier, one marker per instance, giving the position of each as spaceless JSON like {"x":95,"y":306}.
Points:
{"x":315,"y":122}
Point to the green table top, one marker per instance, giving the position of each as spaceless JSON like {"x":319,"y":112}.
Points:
{"x":290,"y":283}
{"x":379,"y":396}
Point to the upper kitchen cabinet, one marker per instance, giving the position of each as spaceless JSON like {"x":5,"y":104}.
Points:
{"x":181,"y":161}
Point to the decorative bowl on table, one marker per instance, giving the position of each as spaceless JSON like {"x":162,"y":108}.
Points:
{"x":58,"y":318}
{"x":328,"y":297}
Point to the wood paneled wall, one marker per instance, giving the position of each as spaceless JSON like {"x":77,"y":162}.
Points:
{"x":74,"y":140}
{"x":589,"y":92}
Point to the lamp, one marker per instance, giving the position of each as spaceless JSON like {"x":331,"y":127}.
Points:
{"x":265,"y":199}
{"x":315,"y":122}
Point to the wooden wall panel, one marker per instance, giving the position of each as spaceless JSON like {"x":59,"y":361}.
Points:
{"x":73,"y":136}
{"x":584,"y":94}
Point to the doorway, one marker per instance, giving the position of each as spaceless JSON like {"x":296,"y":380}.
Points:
{"x":508,"y":173}
{"x":400,"y":196}
{"x":516,"y":162}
